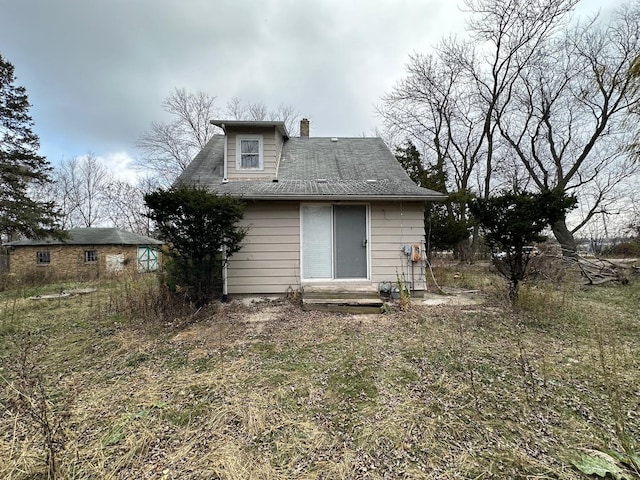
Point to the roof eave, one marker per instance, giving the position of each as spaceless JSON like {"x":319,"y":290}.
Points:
{"x":252,"y":123}
{"x":359,"y":198}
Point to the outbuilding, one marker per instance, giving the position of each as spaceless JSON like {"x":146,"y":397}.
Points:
{"x":86,"y":253}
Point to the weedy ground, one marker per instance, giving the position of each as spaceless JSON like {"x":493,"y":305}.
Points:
{"x":139,"y":388}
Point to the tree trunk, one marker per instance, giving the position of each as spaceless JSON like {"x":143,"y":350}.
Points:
{"x":475,"y":243}
{"x":513,"y":291}
{"x":564,"y":237}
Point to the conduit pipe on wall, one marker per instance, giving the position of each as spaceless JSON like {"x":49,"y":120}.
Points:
{"x":225,"y":293}
{"x":224,"y":160}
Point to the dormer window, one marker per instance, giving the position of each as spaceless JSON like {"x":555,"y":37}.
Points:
{"x":249,"y":152}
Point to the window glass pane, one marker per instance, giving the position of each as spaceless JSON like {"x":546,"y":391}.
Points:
{"x":249,"y":154}
{"x":250,"y":161}
{"x":316,"y":241}
{"x":43,"y":257}
{"x":250,"y":146}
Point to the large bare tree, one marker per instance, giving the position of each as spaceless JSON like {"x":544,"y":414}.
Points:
{"x":240,"y":110}
{"x":432,"y":109}
{"x":79,"y":191}
{"x":507,"y":36}
{"x":167,"y":148}
{"x":449,"y":100}
{"x":572,"y":116}
{"x":528,"y":100}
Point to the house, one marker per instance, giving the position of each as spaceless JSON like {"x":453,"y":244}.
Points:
{"x":336,"y":212}
{"x":87,"y":253}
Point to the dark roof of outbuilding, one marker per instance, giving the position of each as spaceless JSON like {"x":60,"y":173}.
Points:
{"x":92,"y":236}
{"x":314,"y":168}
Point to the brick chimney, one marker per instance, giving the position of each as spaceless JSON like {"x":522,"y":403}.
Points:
{"x":304,"y":128}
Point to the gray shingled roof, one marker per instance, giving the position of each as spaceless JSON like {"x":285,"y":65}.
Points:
{"x":92,"y":236}
{"x":315,"y":168}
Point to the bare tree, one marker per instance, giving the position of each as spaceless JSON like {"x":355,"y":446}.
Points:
{"x":431,"y":108}
{"x":80,"y":185}
{"x":528,"y":102}
{"x":507,"y":37}
{"x":236,"y":109}
{"x":258,"y":111}
{"x":569,"y":123}
{"x":449,"y":101}
{"x":125,"y":206}
{"x":168,"y":148}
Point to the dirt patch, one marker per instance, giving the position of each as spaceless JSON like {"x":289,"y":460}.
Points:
{"x":452,"y":297}
{"x":231,"y":323}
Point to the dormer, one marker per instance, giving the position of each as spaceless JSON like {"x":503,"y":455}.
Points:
{"x":252,"y":149}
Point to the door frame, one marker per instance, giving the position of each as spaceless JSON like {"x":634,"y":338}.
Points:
{"x":333,"y":273}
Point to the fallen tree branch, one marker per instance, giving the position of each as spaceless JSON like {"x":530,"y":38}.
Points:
{"x":599,"y":271}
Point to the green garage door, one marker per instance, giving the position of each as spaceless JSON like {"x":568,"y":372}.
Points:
{"x":147,"y":259}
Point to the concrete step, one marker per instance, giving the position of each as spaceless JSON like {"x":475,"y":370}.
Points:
{"x":342,"y":307}
{"x":355,"y":291}
{"x":342,"y":295}
{"x":348,"y":299}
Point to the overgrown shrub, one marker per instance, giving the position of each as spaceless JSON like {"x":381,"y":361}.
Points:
{"x":512,"y":222}
{"x":201,"y":229}
{"x":149,"y":303}
{"x":38,"y":407}
{"x":630,"y":248}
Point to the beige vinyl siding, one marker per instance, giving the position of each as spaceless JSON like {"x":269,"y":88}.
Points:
{"x":269,"y":261}
{"x":269,"y":154}
{"x":394,"y":224}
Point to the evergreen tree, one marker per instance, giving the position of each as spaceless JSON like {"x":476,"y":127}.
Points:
{"x":512,"y":222}
{"x":446,"y":224}
{"x":197,"y":225}
{"x":21,"y":168}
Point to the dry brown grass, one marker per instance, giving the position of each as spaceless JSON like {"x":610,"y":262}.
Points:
{"x":268,"y":391}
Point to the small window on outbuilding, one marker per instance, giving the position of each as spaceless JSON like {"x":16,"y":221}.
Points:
{"x":43,"y":257}
{"x":90,"y":256}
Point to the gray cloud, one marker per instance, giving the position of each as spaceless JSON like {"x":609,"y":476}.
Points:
{"x":97,"y":72}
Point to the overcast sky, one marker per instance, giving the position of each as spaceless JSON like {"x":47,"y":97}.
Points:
{"x":96,"y":71}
